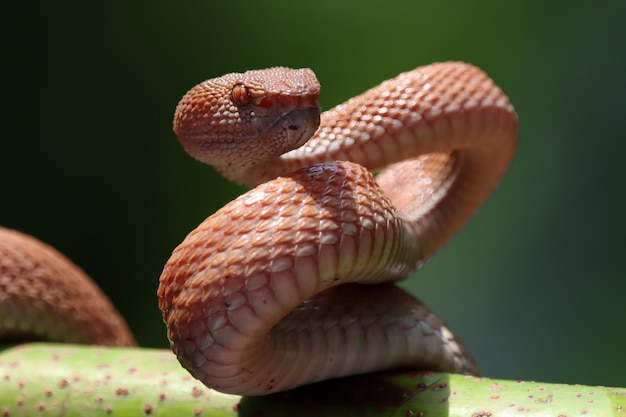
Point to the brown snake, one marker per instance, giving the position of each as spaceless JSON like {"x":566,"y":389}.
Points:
{"x":276,"y":289}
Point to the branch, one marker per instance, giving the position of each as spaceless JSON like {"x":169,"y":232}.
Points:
{"x":49,"y":379}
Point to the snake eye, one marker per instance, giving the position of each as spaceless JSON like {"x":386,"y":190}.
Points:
{"x":240,"y":95}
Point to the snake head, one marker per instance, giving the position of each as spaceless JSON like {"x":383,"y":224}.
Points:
{"x":240,"y":120}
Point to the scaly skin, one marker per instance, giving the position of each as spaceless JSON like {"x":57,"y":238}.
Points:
{"x":44,"y":296}
{"x":267,"y":293}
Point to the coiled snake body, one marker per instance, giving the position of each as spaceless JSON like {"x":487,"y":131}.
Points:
{"x":292,"y":282}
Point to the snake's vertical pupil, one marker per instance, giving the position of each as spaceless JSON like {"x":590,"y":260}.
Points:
{"x":240,"y":95}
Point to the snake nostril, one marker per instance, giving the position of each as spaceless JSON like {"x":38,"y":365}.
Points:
{"x":292,"y":127}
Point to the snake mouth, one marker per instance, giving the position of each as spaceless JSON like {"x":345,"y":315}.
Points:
{"x":298,"y":126}
{"x":293,"y":118}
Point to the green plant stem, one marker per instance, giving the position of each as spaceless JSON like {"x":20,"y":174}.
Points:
{"x":52,"y":379}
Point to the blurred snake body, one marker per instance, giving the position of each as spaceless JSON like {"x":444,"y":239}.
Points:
{"x":292,"y":282}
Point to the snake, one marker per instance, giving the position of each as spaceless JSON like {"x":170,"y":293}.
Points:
{"x":295,"y":281}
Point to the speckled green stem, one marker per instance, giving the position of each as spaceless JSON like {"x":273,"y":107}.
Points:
{"x":47,"y":379}
{"x":42,"y":379}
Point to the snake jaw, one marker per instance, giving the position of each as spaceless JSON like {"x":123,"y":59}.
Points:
{"x":288,"y":130}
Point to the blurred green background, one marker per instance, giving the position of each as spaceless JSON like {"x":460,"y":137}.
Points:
{"x":535,"y":284}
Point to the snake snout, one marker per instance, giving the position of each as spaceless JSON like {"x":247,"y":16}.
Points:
{"x":299,"y":126}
